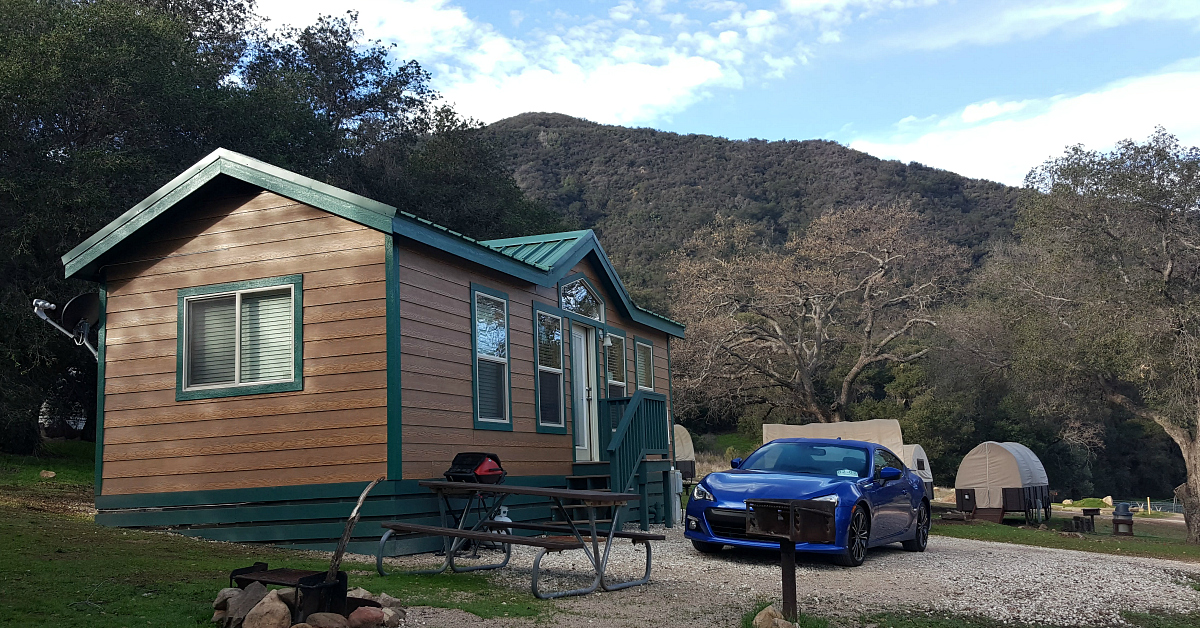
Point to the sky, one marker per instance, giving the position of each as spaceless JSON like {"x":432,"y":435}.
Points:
{"x":988,"y":88}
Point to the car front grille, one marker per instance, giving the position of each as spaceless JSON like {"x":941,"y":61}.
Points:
{"x":729,"y":523}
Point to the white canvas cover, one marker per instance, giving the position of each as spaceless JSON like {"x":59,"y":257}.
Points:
{"x":914,"y":453}
{"x":991,"y":467}
{"x":683,"y":444}
{"x":884,"y":432}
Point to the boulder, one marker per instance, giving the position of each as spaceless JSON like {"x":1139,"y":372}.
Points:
{"x":388,"y":601}
{"x":288,"y":595}
{"x":222,"y":601}
{"x":1067,"y":502}
{"x":1108,"y":500}
{"x":46,"y":475}
{"x":766,"y":617}
{"x":327,"y":620}
{"x":360,"y":593}
{"x":302,"y":625}
{"x":271,"y":612}
{"x":366,"y":617}
{"x":241,"y":605}
{"x":392,"y":617}
{"x":783,"y":623}
{"x":218,"y":617}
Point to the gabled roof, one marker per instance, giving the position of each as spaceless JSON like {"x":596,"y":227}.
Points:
{"x":543,"y":259}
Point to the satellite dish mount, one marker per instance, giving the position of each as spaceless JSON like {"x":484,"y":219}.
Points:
{"x":79,"y":317}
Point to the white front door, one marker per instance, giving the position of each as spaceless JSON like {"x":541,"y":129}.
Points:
{"x":583,"y":394}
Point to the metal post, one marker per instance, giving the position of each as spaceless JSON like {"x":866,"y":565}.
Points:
{"x":787,"y":559}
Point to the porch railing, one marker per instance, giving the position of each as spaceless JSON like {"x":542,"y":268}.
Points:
{"x":637,"y":427}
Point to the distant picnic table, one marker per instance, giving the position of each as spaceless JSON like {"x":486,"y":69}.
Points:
{"x":561,"y":536}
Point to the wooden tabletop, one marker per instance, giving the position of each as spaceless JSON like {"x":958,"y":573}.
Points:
{"x":537,"y":491}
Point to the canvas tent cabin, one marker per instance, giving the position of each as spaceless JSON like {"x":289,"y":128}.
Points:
{"x":685,"y":452}
{"x":270,"y":344}
{"x":914,"y":456}
{"x":884,"y":432}
{"x":995,"y":478}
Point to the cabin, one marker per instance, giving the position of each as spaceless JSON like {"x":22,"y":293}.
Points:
{"x":269,"y":344}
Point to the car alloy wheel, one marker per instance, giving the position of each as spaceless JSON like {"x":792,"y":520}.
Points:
{"x":921,"y":540}
{"x":857,"y":537}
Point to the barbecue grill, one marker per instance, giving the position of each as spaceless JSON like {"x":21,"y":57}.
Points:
{"x":476,"y":466}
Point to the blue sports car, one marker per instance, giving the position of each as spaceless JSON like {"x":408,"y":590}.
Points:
{"x":877,"y":500}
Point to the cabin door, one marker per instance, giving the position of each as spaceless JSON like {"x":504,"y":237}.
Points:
{"x":583,"y":394}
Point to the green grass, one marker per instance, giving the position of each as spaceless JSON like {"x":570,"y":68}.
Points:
{"x":59,"y":569}
{"x":738,"y":442}
{"x":72,"y":462}
{"x":802,"y":621}
{"x":1153,"y":539}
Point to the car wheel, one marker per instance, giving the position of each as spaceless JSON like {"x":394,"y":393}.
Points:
{"x":707,"y":548}
{"x":921,"y":540}
{"x":857,"y":538}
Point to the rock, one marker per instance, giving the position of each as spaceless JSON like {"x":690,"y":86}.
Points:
{"x":366,"y":617}
{"x":47,"y":474}
{"x":218,"y":617}
{"x":1108,"y":500}
{"x":392,"y":617}
{"x":1067,"y":502}
{"x":766,"y":617}
{"x":222,"y":601}
{"x":783,"y":623}
{"x":1043,"y":527}
{"x":388,"y":601}
{"x":288,"y":595}
{"x":302,"y":625}
{"x":327,"y":620}
{"x":271,"y":612}
{"x":242,"y":604}
{"x":360,"y":593}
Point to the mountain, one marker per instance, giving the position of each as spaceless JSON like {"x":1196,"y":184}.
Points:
{"x":646,"y":191}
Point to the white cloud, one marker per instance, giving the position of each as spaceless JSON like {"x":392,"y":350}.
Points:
{"x":997,"y":24}
{"x":1005,"y":143}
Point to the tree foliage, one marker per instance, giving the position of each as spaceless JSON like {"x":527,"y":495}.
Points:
{"x":792,"y":328}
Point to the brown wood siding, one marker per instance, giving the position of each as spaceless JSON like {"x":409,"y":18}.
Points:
{"x":435,"y":313}
{"x":335,"y":430}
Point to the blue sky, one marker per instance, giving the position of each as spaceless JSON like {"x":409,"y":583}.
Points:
{"x":986,"y":89}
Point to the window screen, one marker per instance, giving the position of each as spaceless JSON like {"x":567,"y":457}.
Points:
{"x":550,"y":374}
{"x":615,"y":355}
{"x":645,"y":366}
{"x":246,"y":337}
{"x":491,"y":358}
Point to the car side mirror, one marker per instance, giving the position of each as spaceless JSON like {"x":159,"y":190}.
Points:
{"x":735,"y":463}
{"x":887,"y":474}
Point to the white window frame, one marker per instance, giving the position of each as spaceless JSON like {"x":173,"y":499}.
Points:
{"x":650,"y":365}
{"x":624,"y":366}
{"x":507,"y":405}
{"x":237,"y":336}
{"x":562,"y":405}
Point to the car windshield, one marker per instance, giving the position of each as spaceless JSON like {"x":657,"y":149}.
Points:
{"x":832,"y":460}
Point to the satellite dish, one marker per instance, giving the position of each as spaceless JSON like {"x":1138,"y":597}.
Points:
{"x":81,"y":313}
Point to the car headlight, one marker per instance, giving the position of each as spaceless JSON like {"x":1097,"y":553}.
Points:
{"x":827,"y":498}
{"x":702,"y":493}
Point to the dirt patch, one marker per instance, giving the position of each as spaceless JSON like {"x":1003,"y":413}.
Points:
{"x":58,"y":499}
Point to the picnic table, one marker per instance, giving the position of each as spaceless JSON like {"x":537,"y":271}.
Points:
{"x":562,"y":536}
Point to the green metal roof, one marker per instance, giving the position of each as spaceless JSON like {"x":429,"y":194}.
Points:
{"x":543,"y":251}
{"x":542,"y":259}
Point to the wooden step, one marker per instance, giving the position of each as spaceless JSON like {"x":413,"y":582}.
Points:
{"x":583,"y":477}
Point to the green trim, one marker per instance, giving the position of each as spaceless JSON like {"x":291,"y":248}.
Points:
{"x":438,"y":237}
{"x":505,"y":426}
{"x":85,"y":258}
{"x":638,"y":340}
{"x":569,"y":279}
{"x":395,"y":429}
{"x":101,"y":340}
{"x":537,"y":379}
{"x":297,"y":383}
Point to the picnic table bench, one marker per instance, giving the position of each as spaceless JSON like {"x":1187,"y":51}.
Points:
{"x":569,"y":536}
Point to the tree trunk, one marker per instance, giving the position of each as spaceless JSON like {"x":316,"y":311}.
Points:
{"x":1189,"y":492}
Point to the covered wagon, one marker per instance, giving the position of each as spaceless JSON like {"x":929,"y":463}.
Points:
{"x":995,"y":478}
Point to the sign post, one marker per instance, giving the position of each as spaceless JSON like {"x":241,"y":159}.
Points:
{"x":790,"y":521}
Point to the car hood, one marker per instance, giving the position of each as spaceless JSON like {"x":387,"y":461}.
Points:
{"x":732,"y":488}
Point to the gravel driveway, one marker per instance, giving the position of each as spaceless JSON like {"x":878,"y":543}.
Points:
{"x":997,"y":580}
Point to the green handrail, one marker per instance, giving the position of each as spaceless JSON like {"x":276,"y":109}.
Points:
{"x":643,"y":431}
